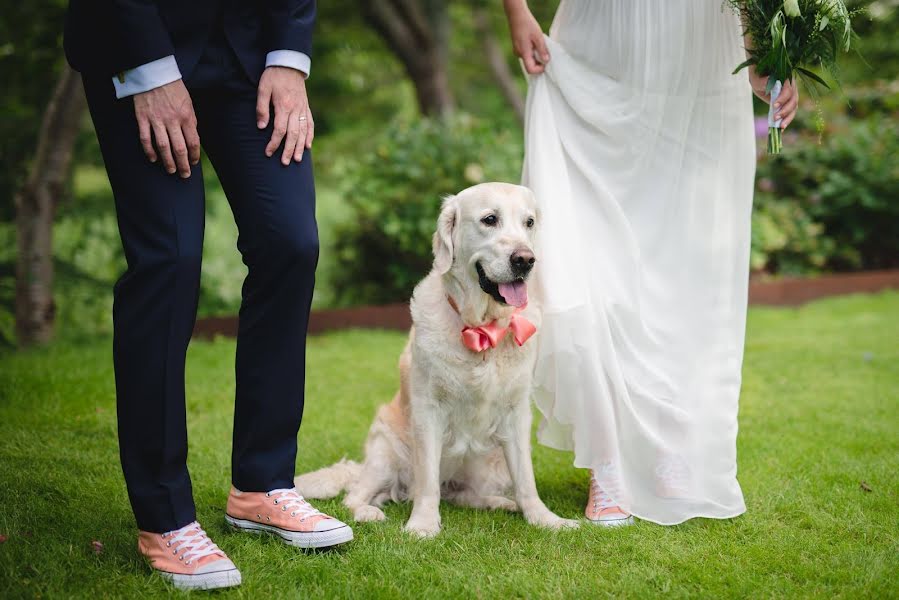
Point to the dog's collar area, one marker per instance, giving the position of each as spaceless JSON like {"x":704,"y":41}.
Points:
{"x":489,"y":335}
{"x":453,"y":305}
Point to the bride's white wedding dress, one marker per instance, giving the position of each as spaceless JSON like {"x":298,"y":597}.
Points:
{"x":640,"y":149}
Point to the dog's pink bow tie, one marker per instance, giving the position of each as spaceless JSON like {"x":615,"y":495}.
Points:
{"x":486,"y":336}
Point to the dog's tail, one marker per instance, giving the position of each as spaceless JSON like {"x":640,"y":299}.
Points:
{"x":328,"y":481}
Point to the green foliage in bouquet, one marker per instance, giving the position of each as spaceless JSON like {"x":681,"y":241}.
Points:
{"x":789,"y":37}
{"x":394,"y":193}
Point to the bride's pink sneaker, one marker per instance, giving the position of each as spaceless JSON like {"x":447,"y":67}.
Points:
{"x":286,"y":514}
{"x":602,"y":510}
{"x":188,"y":558}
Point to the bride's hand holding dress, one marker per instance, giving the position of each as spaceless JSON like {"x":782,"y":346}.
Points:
{"x":527,"y":36}
{"x":530,"y":46}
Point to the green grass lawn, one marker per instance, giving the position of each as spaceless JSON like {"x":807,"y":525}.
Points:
{"x":819,"y":414}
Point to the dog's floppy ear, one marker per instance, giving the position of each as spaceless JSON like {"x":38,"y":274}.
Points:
{"x":443,"y":237}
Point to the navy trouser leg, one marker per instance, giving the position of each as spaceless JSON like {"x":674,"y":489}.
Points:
{"x":161,"y":221}
{"x":274,"y":208}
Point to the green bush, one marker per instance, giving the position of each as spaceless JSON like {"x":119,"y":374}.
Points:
{"x":394,"y":194}
{"x":832,"y":205}
{"x":786,"y":240}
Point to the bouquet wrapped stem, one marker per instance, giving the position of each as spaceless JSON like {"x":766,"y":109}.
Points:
{"x":789,"y":38}
{"x":774,"y":126}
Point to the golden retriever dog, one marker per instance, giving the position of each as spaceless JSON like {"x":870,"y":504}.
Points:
{"x":460,"y":426}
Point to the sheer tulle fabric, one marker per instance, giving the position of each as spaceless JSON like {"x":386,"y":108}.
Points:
{"x":640,"y":148}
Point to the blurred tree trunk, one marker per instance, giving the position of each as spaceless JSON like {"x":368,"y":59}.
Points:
{"x":417,"y":31}
{"x":35,"y":208}
{"x":496,"y":60}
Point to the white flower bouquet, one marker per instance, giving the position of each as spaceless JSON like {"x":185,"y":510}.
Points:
{"x":789,"y":37}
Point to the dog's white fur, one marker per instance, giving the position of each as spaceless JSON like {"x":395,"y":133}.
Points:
{"x":460,"y":425}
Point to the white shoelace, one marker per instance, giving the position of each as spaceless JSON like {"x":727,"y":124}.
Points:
{"x":601,"y":499}
{"x":191,"y":542}
{"x":290,"y":500}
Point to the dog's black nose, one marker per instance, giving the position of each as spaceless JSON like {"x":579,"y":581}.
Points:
{"x":522,"y":261}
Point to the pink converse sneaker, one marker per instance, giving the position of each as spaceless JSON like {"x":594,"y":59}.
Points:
{"x":287,"y":515}
{"x":188,"y":558}
{"x":601,"y":509}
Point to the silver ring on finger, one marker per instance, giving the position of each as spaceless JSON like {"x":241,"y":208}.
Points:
{"x":303,"y":118}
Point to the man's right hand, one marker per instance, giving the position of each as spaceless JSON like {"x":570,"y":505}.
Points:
{"x":168,"y":127}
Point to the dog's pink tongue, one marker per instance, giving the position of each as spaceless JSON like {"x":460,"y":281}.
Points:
{"x":515,"y":293}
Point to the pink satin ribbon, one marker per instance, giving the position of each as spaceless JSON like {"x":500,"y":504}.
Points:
{"x":486,"y":336}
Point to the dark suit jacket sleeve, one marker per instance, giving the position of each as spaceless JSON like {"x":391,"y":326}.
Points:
{"x":290,"y":24}
{"x":140,"y":31}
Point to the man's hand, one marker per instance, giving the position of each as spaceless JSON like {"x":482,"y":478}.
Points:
{"x":168,"y":127}
{"x":285,"y":89}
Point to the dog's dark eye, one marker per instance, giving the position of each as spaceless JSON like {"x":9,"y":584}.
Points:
{"x":489,"y":220}
{"x":529,"y":222}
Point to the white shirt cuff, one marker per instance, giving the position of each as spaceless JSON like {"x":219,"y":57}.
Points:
{"x":289,"y":58}
{"x":146,"y":77}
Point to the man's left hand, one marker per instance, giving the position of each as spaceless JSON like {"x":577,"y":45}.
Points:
{"x":285,"y":89}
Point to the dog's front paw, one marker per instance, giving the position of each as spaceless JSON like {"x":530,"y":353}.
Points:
{"x":501,"y":503}
{"x":549,"y":520}
{"x":423,"y":528}
{"x":561,"y":523}
{"x":367,"y":513}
